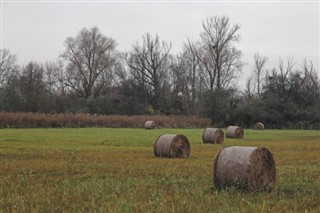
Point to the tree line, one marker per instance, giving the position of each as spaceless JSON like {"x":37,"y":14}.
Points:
{"x":93,"y":76}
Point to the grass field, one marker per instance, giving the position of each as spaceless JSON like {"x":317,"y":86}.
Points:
{"x":114,"y":170}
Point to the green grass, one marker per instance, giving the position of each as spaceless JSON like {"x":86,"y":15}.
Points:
{"x":114,"y":170}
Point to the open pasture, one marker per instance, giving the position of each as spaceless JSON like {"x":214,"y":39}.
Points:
{"x":114,"y":170}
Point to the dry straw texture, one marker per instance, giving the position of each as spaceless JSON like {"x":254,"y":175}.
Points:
{"x":213,"y":135}
{"x":245,"y":168}
{"x":258,"y":126}
{"x":41,"y":120}
{"x":172,"y":146}
{"x":149,"y":125}
{"x":235,"y":132}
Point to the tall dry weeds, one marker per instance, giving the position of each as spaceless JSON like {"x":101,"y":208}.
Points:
{"x":70,"y":120}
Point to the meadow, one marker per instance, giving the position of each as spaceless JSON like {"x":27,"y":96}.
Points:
{"x":114,"y":170}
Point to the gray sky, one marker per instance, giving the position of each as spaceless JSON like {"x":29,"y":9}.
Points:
{"x":36,"y":30}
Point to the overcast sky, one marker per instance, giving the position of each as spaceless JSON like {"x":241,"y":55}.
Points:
{"x":36,"y":30}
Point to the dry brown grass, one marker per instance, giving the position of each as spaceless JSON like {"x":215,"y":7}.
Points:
{"x":40,"y":120}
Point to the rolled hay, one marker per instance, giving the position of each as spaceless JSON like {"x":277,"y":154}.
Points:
{"x":235,"y":132}
{"x":258,"y":126}
{"x":172,"y":146}
{"x":149,"y":125}
{"x":245,"y":168}
{"x":213,"y":135}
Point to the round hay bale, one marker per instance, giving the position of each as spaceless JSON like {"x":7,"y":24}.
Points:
{"x":258,"y":126}
{"x":149,"y":125}
{"x":172,"y":146}
{"x":246,"y":168}
{"x":213,"y":135}
{"x":235,"y":132}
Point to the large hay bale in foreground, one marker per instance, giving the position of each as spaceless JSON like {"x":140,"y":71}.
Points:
{"x":246,"y":168}
{"x":149,"y":125}
{"x":213,"y":135}
{"x":258,"y":126}
{"x":172,"y":146}
{"x":235,"y":132}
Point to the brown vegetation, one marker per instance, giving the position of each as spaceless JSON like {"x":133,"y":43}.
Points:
{"x":41,"y":120}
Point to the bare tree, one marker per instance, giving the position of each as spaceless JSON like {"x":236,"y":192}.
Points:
{"x":249,"y":89}
{"x":286,"y":70}
{"x":90,"y":57}
{"x":192,"y":62}
{"x":32,"y":86}
{"x":7,"y":65}
{"x":278,"y":81}
{"x":259,"y":70}
{"x":218,"y":55}
{"x":148,"y":63}
{"x":310,"y":80}
{"x":185,"y":69}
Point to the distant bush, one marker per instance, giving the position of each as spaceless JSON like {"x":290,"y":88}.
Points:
{"x":69,"y":120}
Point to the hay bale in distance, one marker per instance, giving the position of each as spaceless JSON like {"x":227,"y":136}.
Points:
{"x":149,"y":125}
{"x":246,"y":168}
{"x":172,"y":146}
{"x":235,"y":132}
{"x":213,"y":135}
{"x":258,"y":126}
